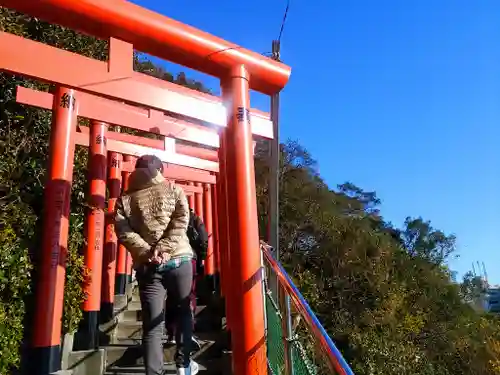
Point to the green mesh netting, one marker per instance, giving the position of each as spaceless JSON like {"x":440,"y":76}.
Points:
{"x":275,"y":349}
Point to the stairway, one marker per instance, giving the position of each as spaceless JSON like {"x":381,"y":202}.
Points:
{"x":124,"y":350}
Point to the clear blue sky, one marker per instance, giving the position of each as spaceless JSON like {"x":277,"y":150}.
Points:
{"x":400,"y":97}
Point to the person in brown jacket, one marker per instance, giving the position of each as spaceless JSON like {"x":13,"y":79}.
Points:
{"x":151,"y":221}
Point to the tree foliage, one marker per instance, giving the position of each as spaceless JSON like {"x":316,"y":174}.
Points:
{"x":384,"y":294}
{"x":24,"y":134}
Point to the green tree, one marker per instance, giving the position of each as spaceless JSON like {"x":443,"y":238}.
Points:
{"x":24,"y":136}
{"x":384,"y":294}
{"x":422,"y":240}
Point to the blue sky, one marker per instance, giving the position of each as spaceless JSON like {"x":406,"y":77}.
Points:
{"x":400,"y":97}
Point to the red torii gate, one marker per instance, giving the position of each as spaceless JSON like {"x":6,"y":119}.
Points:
{"x":119,"y":143}
{"x":128,"y":26}
{"x":101,"y":298}
{"x":100,"y":109}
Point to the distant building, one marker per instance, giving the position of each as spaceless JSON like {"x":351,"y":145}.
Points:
{"x":478,"y":293}
{"x":485,"y":297}
{"x":493,"y":299}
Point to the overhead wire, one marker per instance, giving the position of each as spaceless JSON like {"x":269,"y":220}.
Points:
{"x":267,"y":54}
{"x":282,"y":27}
{"x":284,"y":20}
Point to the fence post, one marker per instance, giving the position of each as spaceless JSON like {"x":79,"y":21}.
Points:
{"x":286,"y":328}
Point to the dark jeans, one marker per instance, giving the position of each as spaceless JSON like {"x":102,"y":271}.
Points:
{"x":170,"y":307}
{"x":153,"y":285}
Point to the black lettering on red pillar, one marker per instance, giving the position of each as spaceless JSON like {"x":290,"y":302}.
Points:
{"x":243,"y":114}
{"x":68,"y":101}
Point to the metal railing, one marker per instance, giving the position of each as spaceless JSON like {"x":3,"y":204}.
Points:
{"x":297,"y":342}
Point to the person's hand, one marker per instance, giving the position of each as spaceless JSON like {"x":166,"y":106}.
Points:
{"x":165,"y":257}
{"x":155,"y":258}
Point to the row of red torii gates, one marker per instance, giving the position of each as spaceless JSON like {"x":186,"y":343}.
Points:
{"x":219,"y":177}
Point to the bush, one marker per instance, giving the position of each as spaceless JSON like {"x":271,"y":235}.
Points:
{"x":14,"y":286}
{"x":24,"y":135}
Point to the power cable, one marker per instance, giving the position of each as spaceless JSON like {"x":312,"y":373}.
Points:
{"x":284,"y":20}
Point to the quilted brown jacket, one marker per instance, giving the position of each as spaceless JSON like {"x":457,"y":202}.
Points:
{"x":153,"y":213}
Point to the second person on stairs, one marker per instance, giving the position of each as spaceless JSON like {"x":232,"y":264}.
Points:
{"x":198,"y":239}
{"x":151,"y":221}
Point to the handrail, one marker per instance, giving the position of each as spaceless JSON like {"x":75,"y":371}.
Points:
{"x":335,"y":358}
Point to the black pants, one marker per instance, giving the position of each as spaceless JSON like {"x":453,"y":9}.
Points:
{"x":153,"y":285}
{"x":170,"y":310}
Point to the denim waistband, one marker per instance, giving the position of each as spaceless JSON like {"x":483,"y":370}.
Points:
{"x":174,"y":263}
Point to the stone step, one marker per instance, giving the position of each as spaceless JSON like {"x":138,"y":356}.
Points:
{"x":87,"y":362}
{"x":207,"y":317}
{"x":129,"y":333}
{"x":128,"y":330}
{"x":133,"y":329}
{"x":132,"y":355}
{"x":125,"y":357}
{"x":133,"y":312}
{"x":213,"y":367}
{"x":125,"y":353}
{"x":134,"y":306}
{"x":168,"y":368}
{"x":135,"y":296}
{"x":131,"y":316}
{"x":129,"y":323}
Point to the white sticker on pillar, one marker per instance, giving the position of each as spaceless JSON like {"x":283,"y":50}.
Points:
{"x":169,"y":145}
